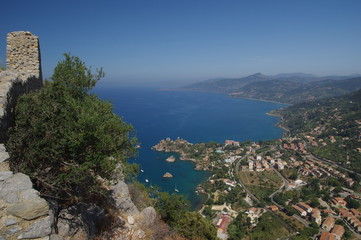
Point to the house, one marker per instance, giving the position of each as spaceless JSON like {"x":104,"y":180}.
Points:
{"x":299,"y":210}
{"x":273,"y":208}
{"x":305,"y":207}
{"x":223,"y":223}
{"x":328,"y":223}
{"x":355,"y":212}
{"x":339,"y":202}
{"x":316,"y":216}
{"x":327,"y":236}
{"x":229,"y":182}
{"x":338,"y":231}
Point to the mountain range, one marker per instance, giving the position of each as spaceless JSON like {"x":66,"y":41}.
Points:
{"x":286,"y":88}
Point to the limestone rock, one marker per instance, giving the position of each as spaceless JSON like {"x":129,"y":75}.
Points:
{"x":11,"y":186}
{"x":14,"y":229}
{"x":56,"y":237}
{"x":131,"y":220}
{"x":167,"y":175}
{"x":121,"y":198}
{"x":148,"y":216}
{"x":170,"y":159}
{"x":29,"y":194}
{"x":3,"y":154}
{"x":38,"y":229}
{"x":29,"y":209}
{"x":5,"y":175}
{"x":10,"y":221}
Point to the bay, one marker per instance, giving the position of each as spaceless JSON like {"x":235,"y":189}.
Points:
{"x":194,"y":116}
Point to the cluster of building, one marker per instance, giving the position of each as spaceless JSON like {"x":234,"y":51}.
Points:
{"x":317,"y":169}
{"x":295,"y":146}
{"x":260,"y":164}
{"x":352,"y":217}
{"x":304,"y":210}
{"x":332,"y":231}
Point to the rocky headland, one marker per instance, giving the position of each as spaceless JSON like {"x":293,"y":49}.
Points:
{"x":185,"y":149}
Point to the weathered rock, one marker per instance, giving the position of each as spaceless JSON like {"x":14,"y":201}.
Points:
{"x":167,"y":175}
{"x":14,"y":229}
{"x":10,"y":221}
{"x":29,"y":209}
{"x":29,"y":194}
{"x":10,"y":187}
{"x":3,"y":154}
{"x":81,"y":221}
{"x":5,"y":175}
{"x":38,"y":229}
{"x":56,"y":237}
{"x":131,"y":220}
{"x":122,"y":201}
{"x":148,"y":216}
{"x":170,"y":159}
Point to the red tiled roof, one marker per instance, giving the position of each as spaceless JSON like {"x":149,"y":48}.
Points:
{"x":327,"y":236}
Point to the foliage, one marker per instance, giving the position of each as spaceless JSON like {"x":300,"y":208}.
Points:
{"x":174,"y":211}
{"x":352,"y":203}
{"x":65,"y":138}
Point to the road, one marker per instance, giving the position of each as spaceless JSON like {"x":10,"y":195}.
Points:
{"x":285,"y":183}
{"x":236,"y":169}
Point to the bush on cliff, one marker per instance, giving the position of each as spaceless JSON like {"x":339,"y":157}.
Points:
{"x":174,"y":210}
{"x":66,"y":138}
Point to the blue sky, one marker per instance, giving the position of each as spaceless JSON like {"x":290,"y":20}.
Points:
{"x":186,"y":40}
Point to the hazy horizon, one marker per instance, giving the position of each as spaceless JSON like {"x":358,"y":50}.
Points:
{"x":180,"y":42}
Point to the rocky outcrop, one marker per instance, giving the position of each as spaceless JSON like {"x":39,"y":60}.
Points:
{"x":121,"y":199}
{"x":23,"y":213}
{"x":170,"y":159}
{"x":167,"y":175}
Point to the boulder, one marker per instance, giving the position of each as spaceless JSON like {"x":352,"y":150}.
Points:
{"x":131,"y":220}
{"x":29,"y":209}
{"x":148,"y":216}
{"x":121,"y":198}
{"x":11,"y":186}
{"x":38,"y":229}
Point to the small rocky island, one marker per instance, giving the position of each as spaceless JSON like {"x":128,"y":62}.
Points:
{"x":170,"y":159}
{"x":167,"y":175}
{"x":197,"y":153}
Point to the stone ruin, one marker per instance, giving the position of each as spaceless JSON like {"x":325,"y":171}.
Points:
{"x":23,"y":56}
{"x":22,"y":74}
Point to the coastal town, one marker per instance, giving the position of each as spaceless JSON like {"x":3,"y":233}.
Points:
{"x":278,"y":180}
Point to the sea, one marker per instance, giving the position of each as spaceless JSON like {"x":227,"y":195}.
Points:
{"x":197,"y":117}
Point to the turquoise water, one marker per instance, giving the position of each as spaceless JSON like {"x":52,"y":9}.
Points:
{"x":194,"y":116}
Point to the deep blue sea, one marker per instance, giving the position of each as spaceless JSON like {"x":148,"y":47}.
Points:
{"x":195,"y":116}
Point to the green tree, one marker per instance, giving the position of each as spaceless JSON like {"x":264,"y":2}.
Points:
{"x":66,"y":138}
{"x":171,"y":207}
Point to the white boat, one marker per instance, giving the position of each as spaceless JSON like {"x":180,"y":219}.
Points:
{"x":175,"y":188}
{"x":141,"y":170}
{"x":146,"y":180}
